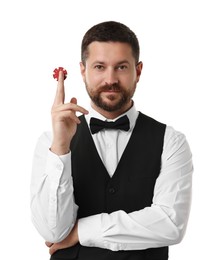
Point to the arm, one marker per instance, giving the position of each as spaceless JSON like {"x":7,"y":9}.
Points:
{"x":52,"y":203}
{"x":162,"y":224}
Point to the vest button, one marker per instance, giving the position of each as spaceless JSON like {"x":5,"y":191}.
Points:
{"x":111,"y":190}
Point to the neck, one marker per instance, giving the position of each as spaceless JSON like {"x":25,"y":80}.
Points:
{"x":112,"y":114}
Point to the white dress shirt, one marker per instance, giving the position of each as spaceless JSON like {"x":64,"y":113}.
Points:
{"x":54,"y":211}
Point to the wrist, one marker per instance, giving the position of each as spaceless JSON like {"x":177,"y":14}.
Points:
{"x":59,"y":150}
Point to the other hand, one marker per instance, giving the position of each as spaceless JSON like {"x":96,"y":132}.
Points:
{"x":71,"y":240}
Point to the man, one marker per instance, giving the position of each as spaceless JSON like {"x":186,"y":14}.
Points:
{"x":112,"y":183}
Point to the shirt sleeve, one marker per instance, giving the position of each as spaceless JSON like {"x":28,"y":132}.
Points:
{"x":162,"y":224}
{"x":53,"y":209}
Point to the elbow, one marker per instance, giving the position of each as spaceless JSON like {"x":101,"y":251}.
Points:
{"x":52,"y":228}
{"x":54,"y":234}
{"x":179,"y":227}
{"x":176,"y":236}
{"x":56,"y":237}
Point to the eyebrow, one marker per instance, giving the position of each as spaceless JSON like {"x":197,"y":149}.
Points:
{"x":102,"y":62}
{"x":123,"y":61}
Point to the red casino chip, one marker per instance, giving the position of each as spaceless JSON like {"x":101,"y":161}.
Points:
{"x":56,"y":73}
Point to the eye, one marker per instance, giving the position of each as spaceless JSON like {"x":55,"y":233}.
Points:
{"x":122,"y":67}
{"x":99,"y":67}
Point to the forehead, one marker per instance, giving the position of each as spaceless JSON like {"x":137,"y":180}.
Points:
{"x":109,"y":51}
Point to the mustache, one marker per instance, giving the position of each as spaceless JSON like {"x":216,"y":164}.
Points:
{"x":111,"y":87}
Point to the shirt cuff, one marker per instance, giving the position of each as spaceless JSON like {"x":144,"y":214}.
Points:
{"x":89,"y":231}
{"x":58,"y":167}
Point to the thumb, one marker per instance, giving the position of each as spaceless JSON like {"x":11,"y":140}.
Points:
{"x":73,"y":100}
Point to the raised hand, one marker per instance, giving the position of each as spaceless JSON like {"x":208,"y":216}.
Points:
{"x":64,"y":119}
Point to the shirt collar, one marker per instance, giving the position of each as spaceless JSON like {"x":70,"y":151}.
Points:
{"x":132,"y":114}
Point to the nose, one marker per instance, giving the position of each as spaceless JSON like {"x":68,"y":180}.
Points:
{"x":111,"y":77}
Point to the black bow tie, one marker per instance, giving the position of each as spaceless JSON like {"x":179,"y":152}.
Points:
{"x":97,"y":125}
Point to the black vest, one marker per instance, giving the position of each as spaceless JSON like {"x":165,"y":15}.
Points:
{"x":130,"y":189}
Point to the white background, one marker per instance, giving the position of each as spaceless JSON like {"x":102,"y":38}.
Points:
{"x":179,"y":48}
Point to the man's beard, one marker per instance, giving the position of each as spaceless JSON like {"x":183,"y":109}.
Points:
{"x":125,"y":97}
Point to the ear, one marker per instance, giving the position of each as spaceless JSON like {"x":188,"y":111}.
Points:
{"x":139,"y":67}
{"x":82,"y":70}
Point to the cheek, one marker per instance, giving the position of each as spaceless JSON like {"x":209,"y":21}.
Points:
{"x":129,"y":80}
{"x":93,"y":79}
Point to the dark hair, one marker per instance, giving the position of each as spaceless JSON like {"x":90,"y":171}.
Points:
{"x":110,"y":31}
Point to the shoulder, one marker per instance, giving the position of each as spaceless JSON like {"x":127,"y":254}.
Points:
{"x":173,"y":136}
{"x":150,"y":121}
{"x":175,"y":142}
